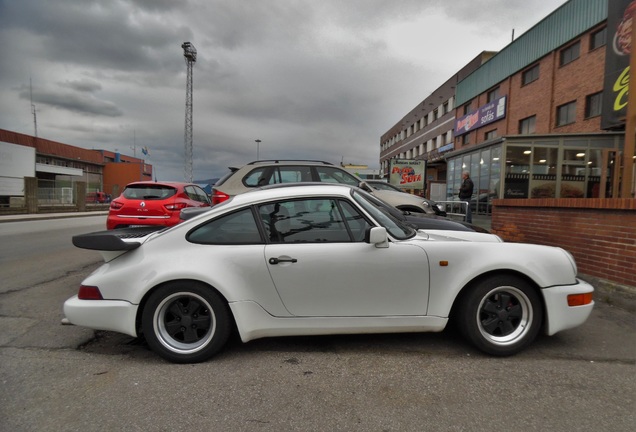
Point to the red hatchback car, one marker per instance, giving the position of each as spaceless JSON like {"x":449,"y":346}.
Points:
{"x":154,"y":203}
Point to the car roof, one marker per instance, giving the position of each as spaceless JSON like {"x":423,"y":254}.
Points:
{"x":290,"y":190}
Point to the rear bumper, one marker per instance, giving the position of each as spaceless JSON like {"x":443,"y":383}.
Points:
{"x":112,"y":315}
{"x":560,"y":316}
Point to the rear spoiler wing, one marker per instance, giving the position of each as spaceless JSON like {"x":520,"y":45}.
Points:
{"x":119,"y":240}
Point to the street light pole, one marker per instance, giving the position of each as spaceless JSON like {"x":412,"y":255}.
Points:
{"x":258,"y":143}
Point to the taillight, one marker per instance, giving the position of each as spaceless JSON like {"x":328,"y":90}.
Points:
{"x":218,"y":197}
{"x":116,"y":205}
{"x":176,"y":206}
{"x":579,"y":299}
{"x":89,"y":293}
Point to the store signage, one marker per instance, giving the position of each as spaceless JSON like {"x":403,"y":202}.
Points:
{"x":407,"y":174}
{"x":616,"y":85}
{"x":489,"y":113}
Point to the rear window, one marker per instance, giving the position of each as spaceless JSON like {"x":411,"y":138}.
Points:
{"x":149,"y":192}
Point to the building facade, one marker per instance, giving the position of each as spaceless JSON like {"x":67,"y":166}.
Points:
{"x":58,"y":167}
{"x":527,"y":123}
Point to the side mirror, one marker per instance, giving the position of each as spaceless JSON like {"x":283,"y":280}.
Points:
{"x":364,"y":186}
{"x":377,"y":236}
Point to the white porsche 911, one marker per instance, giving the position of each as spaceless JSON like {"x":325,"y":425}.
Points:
{"x":317,"y":260}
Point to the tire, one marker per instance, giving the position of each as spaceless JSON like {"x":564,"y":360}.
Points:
{"x":501,"y":315}
{"x":186,"y":322}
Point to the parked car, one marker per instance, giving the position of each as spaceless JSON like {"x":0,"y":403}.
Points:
{"x":268,"y":172}
{"x":321,"y":260}
{"x":154,"y":203}
{"x":385,"y":186}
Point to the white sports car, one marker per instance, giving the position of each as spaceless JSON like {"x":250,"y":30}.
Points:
{"x":321,"y":259}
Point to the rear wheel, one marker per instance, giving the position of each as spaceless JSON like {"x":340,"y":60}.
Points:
{"x":501,"y":315}
{"x":186,"y":322}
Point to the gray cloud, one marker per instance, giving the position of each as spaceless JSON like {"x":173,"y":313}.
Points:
{"x":318,"y":80}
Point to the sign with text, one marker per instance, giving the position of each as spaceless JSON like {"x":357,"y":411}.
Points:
{"x":407,"y":174}
{"x":489,"y":113}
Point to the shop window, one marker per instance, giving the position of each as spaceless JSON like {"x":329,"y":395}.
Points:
{"x":598,"y":39}
{"x":569,"y":54}
{"x":530,"y":75}
{"x":528,"y":125}
{"x":544,"y":165}
{"x":566,"y":114}
{"x":593,"y":105}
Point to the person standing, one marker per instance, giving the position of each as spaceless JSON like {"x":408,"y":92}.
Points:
{"x":466,"y":193}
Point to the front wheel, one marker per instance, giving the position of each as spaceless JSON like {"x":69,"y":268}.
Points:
{"x":501,"y":315}
{"x":186,"y":322}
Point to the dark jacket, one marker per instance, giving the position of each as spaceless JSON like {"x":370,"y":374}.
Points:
{"x":466,"y":189}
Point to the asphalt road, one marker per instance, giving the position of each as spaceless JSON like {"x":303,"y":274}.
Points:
{"x":66,"y":378}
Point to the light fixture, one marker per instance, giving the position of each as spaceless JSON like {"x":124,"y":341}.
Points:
{"x":542,"y":161}
{"x":527,"y":152}
{"x":580,"y":155}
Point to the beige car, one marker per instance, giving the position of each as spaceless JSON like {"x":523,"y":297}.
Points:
{"x":267,"y":172}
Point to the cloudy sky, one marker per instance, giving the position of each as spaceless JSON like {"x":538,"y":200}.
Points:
{"x":312,"y":79}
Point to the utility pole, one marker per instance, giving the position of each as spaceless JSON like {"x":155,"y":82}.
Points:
{"x":35,"y":118}
{"x":190,"y":54}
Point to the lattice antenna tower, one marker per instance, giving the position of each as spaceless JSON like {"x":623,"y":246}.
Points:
{"x":190,"y":54}
{"x":35,"y":117}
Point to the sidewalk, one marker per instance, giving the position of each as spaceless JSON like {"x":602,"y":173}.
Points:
{"x":40,"y":216}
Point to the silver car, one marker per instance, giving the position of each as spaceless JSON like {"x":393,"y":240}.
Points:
{"x":267,"y":172}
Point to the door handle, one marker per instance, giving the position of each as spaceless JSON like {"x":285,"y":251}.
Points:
{"x":280,"y":260}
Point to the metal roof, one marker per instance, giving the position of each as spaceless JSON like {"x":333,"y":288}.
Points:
{"x":561,"y":26}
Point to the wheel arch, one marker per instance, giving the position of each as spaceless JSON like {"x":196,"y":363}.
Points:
{"x":507,"y":272}
{"x":148,"y":294}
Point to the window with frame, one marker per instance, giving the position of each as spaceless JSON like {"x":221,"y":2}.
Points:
{"x":528,"y":125}
{"x":312,"y":220}
{"x":593,"y":105}
{"x":329,"y":174}
{"x":446,"y":107}
{"x":466,"y":108}
{"x":598,"y":39}
{"x":490,"y":135}
{"x":530,"y":75}
{"x":232,"y":229}
{"x":566,"y":114}
{"x":493,"y":94}
{"x":465,"y":139}
{"x":569,"y":54}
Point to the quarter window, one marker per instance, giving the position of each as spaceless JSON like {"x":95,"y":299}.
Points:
{"x":334,"y":175}
{"x":566,"y":114}
{"x":235,"y":228}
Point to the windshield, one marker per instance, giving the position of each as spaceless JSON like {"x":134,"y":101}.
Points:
{"x":394,"y":227}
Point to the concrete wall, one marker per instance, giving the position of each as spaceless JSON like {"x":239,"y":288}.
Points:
{"x":600,"y":233}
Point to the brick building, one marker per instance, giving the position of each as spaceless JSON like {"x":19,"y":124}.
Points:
{"x":58,"y":167}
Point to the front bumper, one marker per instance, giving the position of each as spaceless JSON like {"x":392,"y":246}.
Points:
{"x":112,"y":315}
{"x":559,"y":315}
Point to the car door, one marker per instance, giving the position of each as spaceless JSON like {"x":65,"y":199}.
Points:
{"x":321,"y":266}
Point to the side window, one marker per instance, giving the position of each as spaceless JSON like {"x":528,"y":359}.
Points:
{"x":304,"y":221}
{"x":232,"y":229}
{"x":335,"y":175}
{"x":293,"y":174}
